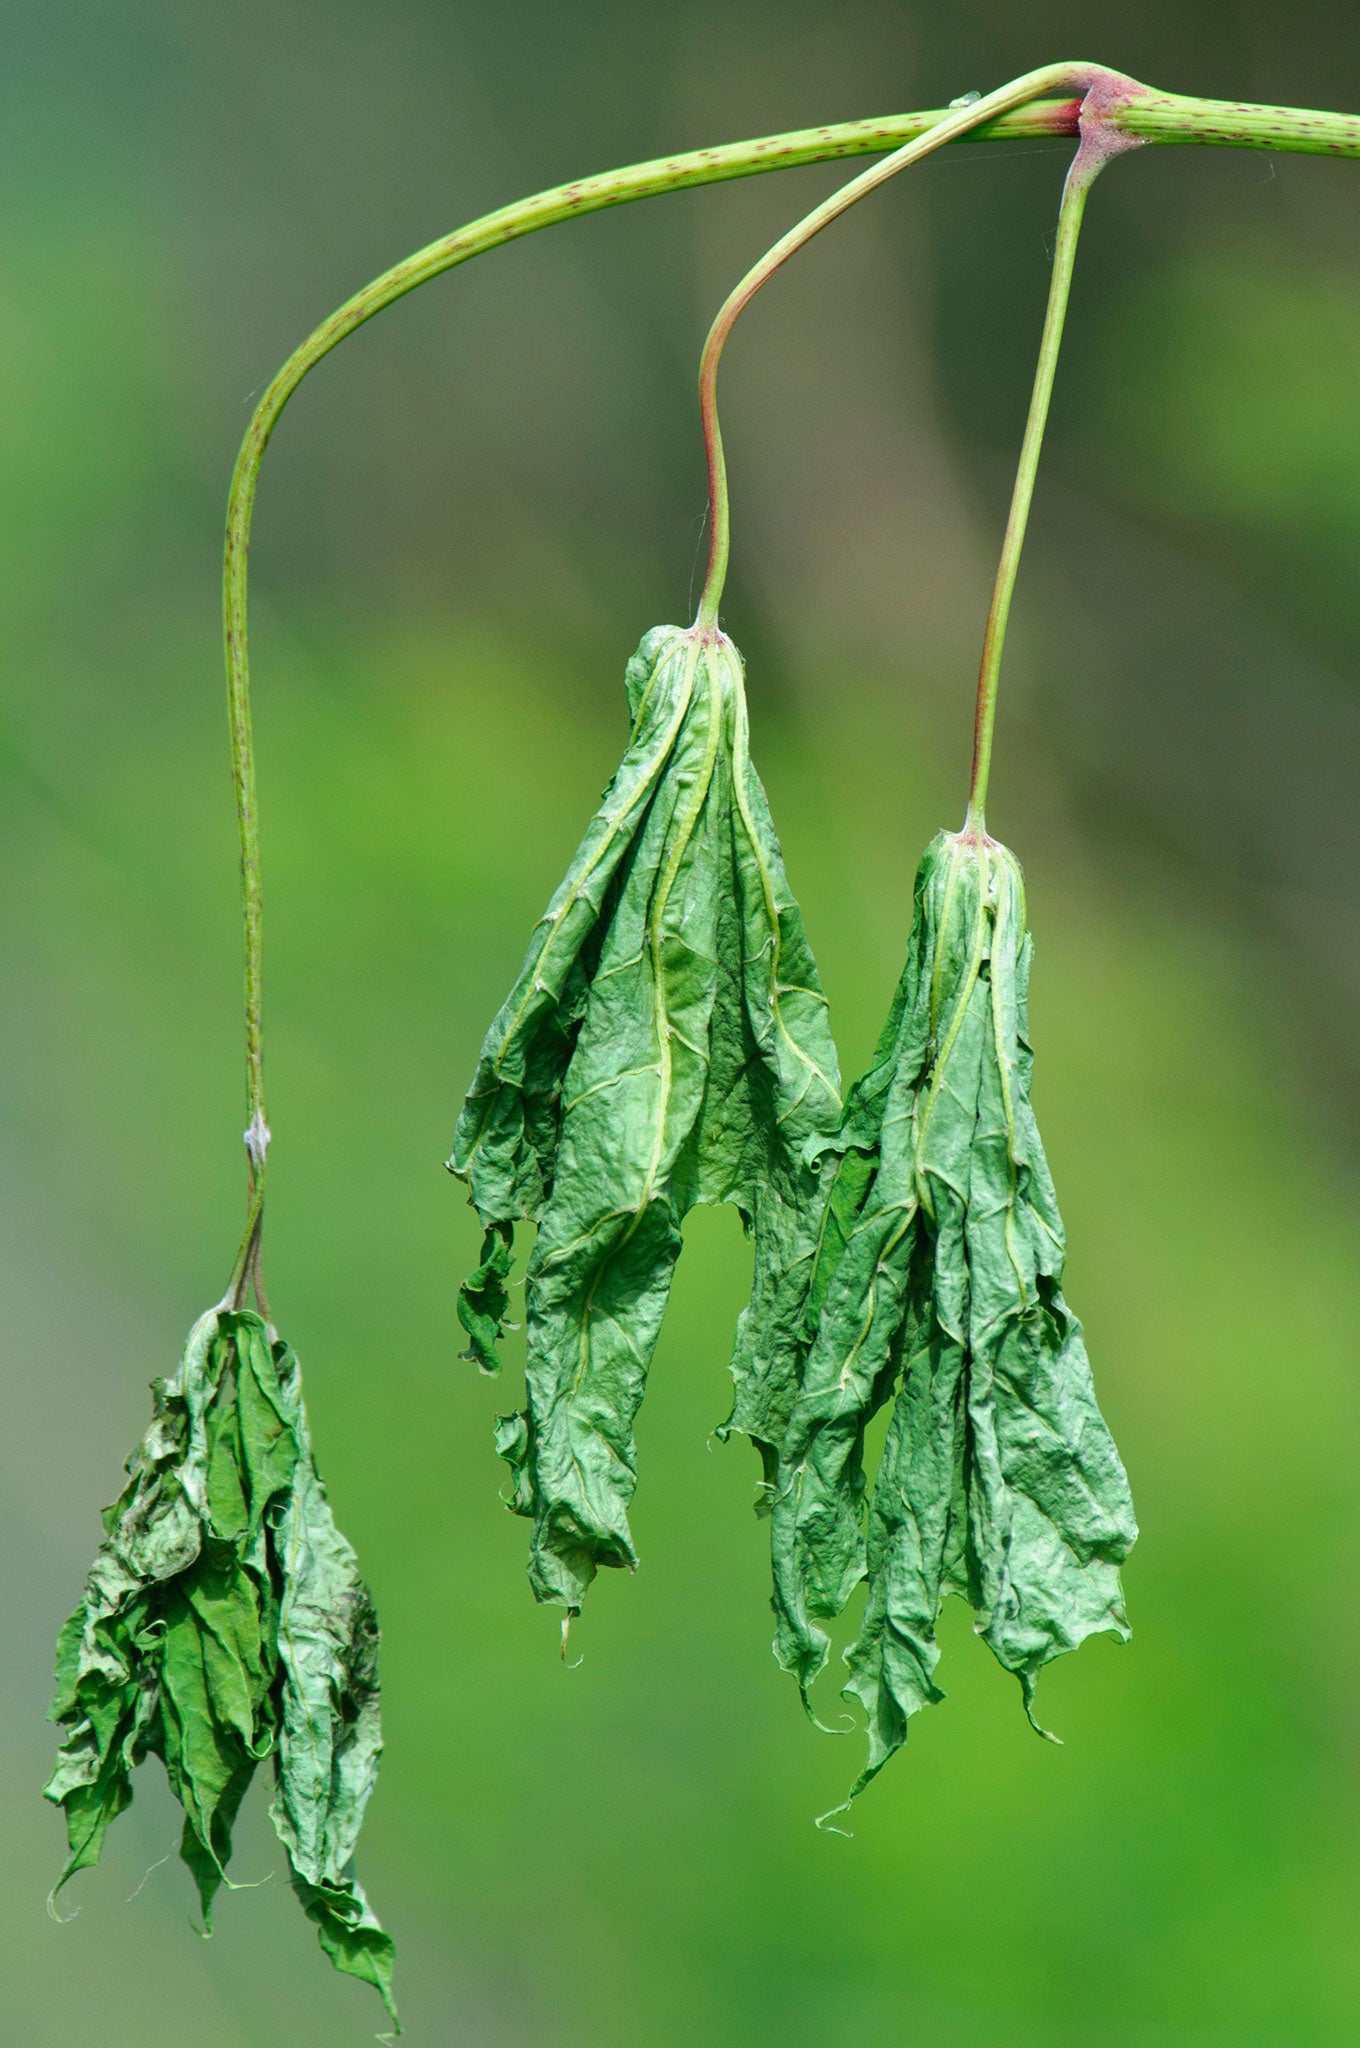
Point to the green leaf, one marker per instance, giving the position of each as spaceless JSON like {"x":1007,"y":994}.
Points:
{"x":329,"y":1734}
{"x":484,"y":1298}
{"x":939,"y":1288}
{"x":666,"y":1044}
{"x":224,"y":1621}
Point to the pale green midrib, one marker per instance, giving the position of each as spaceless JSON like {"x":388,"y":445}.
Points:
{"x":937,"y":966}
{"x":656,"y":937}
{"x":652,"y":774}
{"x":600,"y":1087}
{"x":561,"y":1253}
{"x":910,"y":1208}
{"x":1003,"y":1068}
{"x":689,"y":818}
{"x":960,"y":1009}
{"x":660,"y":1016}
{"x":741,"y":768}
{"x":462,"y":1166}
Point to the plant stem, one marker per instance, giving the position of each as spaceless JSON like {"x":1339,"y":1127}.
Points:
{"x":1146,"y":116}
{"x":950,"y":127}
{"x":1098,"y":144}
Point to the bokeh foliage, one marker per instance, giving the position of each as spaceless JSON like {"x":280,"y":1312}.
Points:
{"x":466,"y":522}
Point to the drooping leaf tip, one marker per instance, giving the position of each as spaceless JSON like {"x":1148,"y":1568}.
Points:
{"x":825,"y":1823}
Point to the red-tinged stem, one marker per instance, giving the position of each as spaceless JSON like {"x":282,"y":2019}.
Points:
{"x":1148,"y":116}
{"x":1100,"y":140}
{"x":1083,"y":79}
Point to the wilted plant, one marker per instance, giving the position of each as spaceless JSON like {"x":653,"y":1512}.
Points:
{"x":224,"y":1622}
{"x":937,"y":1282}
{"x":666,"y":1044}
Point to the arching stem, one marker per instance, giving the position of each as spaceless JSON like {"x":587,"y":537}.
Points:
{"x":1079,"y":78}
{"x":1098,"y":144}
{"x":1145,"y":115}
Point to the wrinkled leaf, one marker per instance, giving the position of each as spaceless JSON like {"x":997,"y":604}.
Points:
{"x":666,"y":1043}
{"x":938,"y":1288}
{"x":223,"y":1622}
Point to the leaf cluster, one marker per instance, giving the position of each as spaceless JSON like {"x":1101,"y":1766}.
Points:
{"x":223,"y":1622}
{"x":666,"y":1043}
{"x":937,"y":1289}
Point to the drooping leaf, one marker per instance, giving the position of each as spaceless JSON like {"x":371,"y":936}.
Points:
{"x":666,"y":1043}
{"x":939,"y":1289}
{"x":224,"y":1622}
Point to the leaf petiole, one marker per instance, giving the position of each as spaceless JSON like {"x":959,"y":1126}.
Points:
{"x":1100,"y":140}
{"x":1088,"y":80}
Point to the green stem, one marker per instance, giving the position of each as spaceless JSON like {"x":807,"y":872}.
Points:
{"x":951,"y":126}
{"x":1149,"y":117}
{"x":1096,"y":148}
{"x":246,"y":1276}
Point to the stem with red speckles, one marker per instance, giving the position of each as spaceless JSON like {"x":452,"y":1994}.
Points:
{"x":1146,"y":117}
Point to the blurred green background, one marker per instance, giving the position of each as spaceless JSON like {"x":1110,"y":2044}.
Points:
{"x":466,"y":522}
